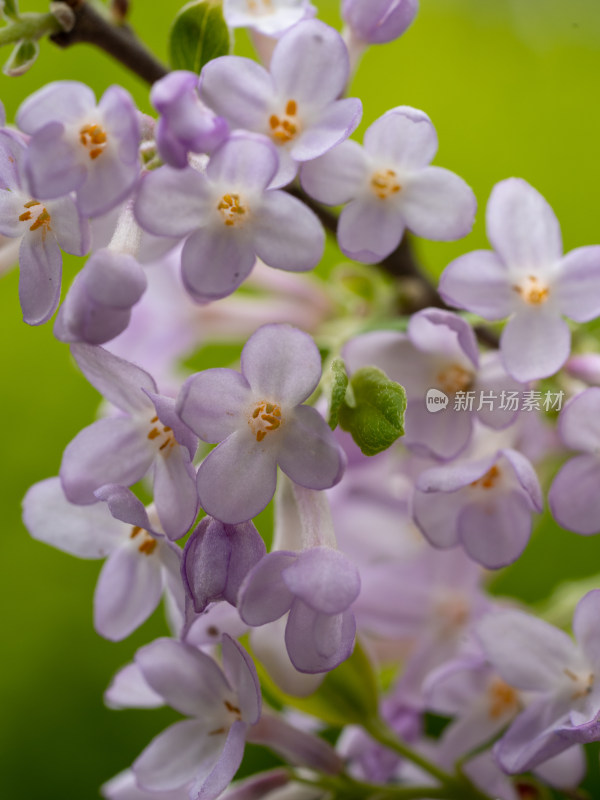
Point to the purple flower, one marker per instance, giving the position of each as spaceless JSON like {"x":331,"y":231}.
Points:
{"x":269,"y":17}
{"x":389,"y":186}
{"x":257,"y":417}
{"x":296,"y":104}
{"x":122,"y":449}
{"x":562,"y":676}
{"x":125,"y":787}
{"x":378,"y":21}
{"x":186,"y":125}
{"x":438,"y":351}
{"x":528,"y":279}
{"x":230,"y":217}
{"x":316,"y":587}
{"x":217,"y":558}
{"x":98,"y":306}
{"x":78,"y":146}
{"x":43,"y":228}
{"x":141,"y":564}
{"x":206,"y":750}
{"x":483,"y":503}
{"x":574,"y":498}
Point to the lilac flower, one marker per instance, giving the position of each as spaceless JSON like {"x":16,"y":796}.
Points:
{"x":78,"y":146}
{"x":536,"y":657}
{"x":573,"y":497}
{"x":205,"y":751}
{"x":389,"y":186}
{"x":257,"y":417}
{"x":483,"y":503}
{"x":378,"y":21}
{"x":230,"y":217}
{"x":438,"y":351}
{"x":141,"y":564}
{"x":122,"y":449}
{"x":528,"y":279}
{"x":125,"y":787}
{"x":296,"y":103}
{"x":216,"y":560}
{"x":42,"y":228}
{"x":186,"y":125}
{"x":98,"y":305}
{"x":269,"y":17}
{"x":316,"y":587}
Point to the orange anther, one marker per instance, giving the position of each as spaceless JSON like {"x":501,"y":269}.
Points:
{"x":291,"y":108}
{"x":154,"y":433}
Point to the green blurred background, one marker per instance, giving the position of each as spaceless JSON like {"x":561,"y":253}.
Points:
{"x":512,"y":87}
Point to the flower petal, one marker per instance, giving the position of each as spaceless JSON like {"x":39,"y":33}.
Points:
{"x":324,"y":579}
{"x":189,"y":680}
{"x":337,"y":176}
{"x":318,"y":642}
{"x":86,"y":532}
{"x":128,"y":590}
{"x":215,"y":261}
{"x":246,"y":160}
{"x":241,"y":674}
{"x":522,"y":227}
{"x":129,"y":689}
{"x":241,"y":462}
{"x":403,"y":137}
{"x":213,"y":402}
{"x":223,"y":771}
{"x":281,"y":364}
{"x":437,"y":204}
{"x":177,"y":755}
{"x":238,"y":89}
{"x":535,"y":344}
{"x":40,"y":273}
{"x":586,"y":626}
{"x":175,"y":493}
{"x":579,"y":422}
{"x":329,"y":128}
{"x":574,"y":498}
{"x":310,"y":65}
{"x":112,"y":450}
{"x":578,"y":284}
{"x":205,"y":563}
{"x":264,"y":595}
{"x":369,"y":229}
{"x":479,"y":282}
{"x":171,"y":202}
{"x":287,"y":234}
{"x":66,"y":101}
{"x":309,"y":453}
{"x":124,"y":384}
{"x":495,"y":534}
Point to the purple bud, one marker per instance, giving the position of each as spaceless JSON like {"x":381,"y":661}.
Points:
{"x":379,"y":21}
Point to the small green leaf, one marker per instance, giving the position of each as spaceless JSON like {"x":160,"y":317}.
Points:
{"x":339,"y":384}
{"x":10,"y":8}
{"x":198,"y":35}
{"x":373,"y":411}
{"x":349,"y":693}
{"x":21,"y":58}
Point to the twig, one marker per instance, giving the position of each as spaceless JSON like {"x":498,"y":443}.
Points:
{"x":117,"y":40}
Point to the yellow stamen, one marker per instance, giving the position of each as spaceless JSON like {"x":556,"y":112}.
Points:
{"x":266,"y":417}
{"x":231,"y":208}
{"x":384,"y":183}
{"x":286,"y":127}
{"x":532,"y":291}
{"x":93,"y":137}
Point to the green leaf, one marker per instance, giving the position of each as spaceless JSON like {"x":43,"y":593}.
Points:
{"x":198,"y":35}
{"x":349,"y":693}
{"x":373,"y":411}
{"x":22,"y":58}
{"x":10,"y":8}
{"x":339,"y":384}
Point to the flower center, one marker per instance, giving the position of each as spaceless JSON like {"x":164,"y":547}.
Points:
{"x":231,"y":209}
{"x":454,"y":378}
{"x":93,"y":137}
{"x":283,"y":129}
{"x":452,"y":610}
{"x":384,"y":183}
{"x":583,"y":682}
{"x":502,"y":698}
{"x":489,"y":480}
{"x":260,"y":7}
{"x":233,"y":711}
{"x":147,"y":543}
{"x":532,"y":291}
{"x":161,"y":435}
{"x":42,"y":220}
{"x":265,"y":418}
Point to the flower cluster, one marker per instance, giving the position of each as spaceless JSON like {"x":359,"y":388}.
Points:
{"x":380,"y":552}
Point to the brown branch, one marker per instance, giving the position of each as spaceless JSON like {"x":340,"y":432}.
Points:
{"x":117,"y":40}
